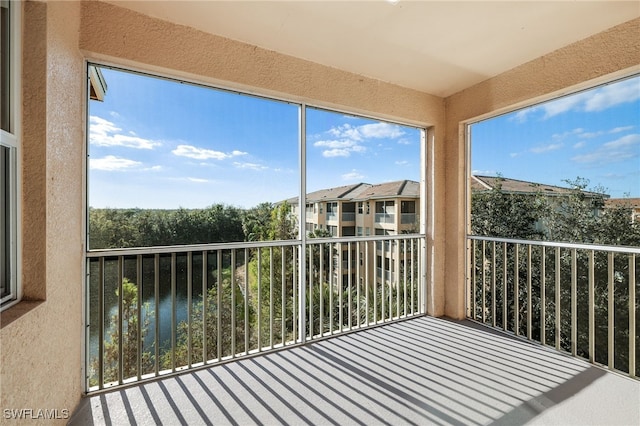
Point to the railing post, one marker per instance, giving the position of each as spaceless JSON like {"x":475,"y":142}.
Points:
{"x":140,"y":341}
{"x":632,"y":315}
{"x":592,"y":313}
{"x":483,"y":281}
{"x":101,"y":322}
{"x":189,"y":307}
{"x":120,"y":321}
{"x":543,"y":300}
{"x":574,"y":302}
{"x":610,"y":310}
{"x":516,"y":289}
{"x":529,"y":310}
{"x":493,"y":284}
{"x":557,"y":288}
{"x":173,"y":312}
{"x":505,"y":290}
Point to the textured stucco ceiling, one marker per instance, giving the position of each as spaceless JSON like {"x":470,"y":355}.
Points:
{"x":439,"y":47}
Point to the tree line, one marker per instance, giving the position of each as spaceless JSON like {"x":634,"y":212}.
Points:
{"x":219,"y":223}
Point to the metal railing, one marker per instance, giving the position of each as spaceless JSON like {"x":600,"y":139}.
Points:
{"x":578,"y":298}
{"x":159,"y":310}
{"x":384,"y":218}
{"x":408,"y":218}
{"x":348,"y":216}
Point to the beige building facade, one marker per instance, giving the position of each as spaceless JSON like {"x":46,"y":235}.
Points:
{"x":365,"y":210}
{"x":41,"y":336}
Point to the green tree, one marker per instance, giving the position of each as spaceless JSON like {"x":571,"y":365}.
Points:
{"x":211,"y":322}
{"x":132,"y":340}
{"x":120,"y":228}
{"x":256,"y":222}
{"x":497,"y":213}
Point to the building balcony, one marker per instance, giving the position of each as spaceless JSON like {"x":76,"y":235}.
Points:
{"x":331,"y":217}
{"x":348,"y":216}
{"x":385,"y":218}
{"x":408,"y":218}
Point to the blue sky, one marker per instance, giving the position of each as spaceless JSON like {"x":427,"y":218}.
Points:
{"x":155,"y":143}
{"x":594,"y":135}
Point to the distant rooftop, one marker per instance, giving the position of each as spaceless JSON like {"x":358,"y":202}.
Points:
{"x":364,"y":191}
{"x":633,"y":203}
{"x":515,"y":186}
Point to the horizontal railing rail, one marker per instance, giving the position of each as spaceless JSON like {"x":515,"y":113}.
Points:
{"x":578,"y":298}
{"x":156,"y":311}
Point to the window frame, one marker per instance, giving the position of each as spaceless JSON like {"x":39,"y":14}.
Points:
{"x":11,"y":139}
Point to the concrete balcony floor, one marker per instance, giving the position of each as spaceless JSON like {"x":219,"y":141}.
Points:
{"x":415,"y":372}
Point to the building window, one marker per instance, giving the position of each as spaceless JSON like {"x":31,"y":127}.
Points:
{"x":9,"y":146}
{"x":360,"y":207}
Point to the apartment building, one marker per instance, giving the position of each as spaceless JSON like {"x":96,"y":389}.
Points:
{"x":632,"y":204}
{"x":364,"y":210}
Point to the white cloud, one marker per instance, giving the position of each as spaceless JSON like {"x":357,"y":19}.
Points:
{"x":579,"y":145}
{"x":622,"y":149}
{"x":521,"y":116}
{"x":197,"y":180}
{"x":614,"y":94}
{"x":484,"y":172}
{"x":112,"y":163}
{"x":381,"y":130}
{"x":591,"y":135}
{"x":105,"y":133}
{"x":250,"y":166}
{"x":190,"y":151}
{"x":564,"y":104}
{"x":336,"y":144}
{"x":621,"y":129}
{"x":590,"y":101}
{"x":561,"y":136}
{"x":346,"y":131}
{"x":336,"y":153}
{"x":352,"y":175}
{"x":402,"y":163}
{"x":348,"y":139}
{"x":546,"y":148}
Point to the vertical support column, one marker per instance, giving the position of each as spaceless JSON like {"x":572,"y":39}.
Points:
{"x":302,"y":235}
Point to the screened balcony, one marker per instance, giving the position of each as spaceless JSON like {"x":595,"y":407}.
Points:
{"x":359,"y":354}
{"x":420,"y":371}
